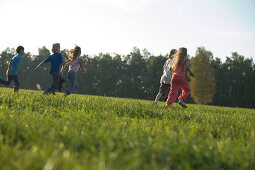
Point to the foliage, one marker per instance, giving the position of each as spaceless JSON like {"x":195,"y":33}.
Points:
{"x":137,"y":75}
{"x":203,"y":85}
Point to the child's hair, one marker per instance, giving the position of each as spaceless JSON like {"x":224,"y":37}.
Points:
{"x":75,"y":52}
{"x":179,"y":57}
{"x":55,"y":47}
{"x":19,"y":48}
{"x":71,"y":52}
{"x":172,"y":52}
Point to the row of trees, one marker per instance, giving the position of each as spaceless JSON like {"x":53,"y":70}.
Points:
{"x":137,"y":75}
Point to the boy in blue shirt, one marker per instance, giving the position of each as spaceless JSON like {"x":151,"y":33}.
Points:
{"x":56,"y":60}
{"x":12,"y":71}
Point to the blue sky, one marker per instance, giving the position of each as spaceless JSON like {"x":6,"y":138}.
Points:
{"x":222,"y":26}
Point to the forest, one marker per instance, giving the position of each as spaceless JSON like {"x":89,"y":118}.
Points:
{"x":137,"y":75}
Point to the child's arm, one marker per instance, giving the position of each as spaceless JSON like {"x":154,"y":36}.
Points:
{"x":39,"y":65}
{"x":81,"y":66}
{"x":63,"y":66}
{"x":171,"y":69}
{"x":19,"y":72}
{"x":9,"y":68}
{"x":189,"y":70}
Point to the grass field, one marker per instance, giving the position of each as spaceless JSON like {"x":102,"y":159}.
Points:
{"x":89,"y":132}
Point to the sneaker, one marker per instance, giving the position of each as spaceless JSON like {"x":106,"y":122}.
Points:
{"x":66,"y":94}
{"x":181,"y":102}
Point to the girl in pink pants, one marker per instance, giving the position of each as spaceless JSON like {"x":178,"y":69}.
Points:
{"x":179,"y":80}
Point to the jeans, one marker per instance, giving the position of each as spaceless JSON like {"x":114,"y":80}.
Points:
{"x":60,"y":83}
{"x":11,"y":78}
{"x":55,"y":77}
{"x":73,"y":81}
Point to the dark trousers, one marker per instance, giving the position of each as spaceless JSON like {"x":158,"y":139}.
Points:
{"x":11,"y":78}
{"x":55,"y":77}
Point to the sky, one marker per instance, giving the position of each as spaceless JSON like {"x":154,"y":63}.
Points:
{"x":116,"y":26}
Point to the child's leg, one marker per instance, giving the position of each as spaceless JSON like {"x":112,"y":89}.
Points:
{"x":55,"y":78}
{"x":54,"y":84}
{"x":8,"y":82}
{"x":159,"y":95}
{"x":173,"y":92}
{"x":72,"y":80}
{"x":185,"y":89}
{"x":60,"y":83}
{"x":166,"y":91}
{"x":76,"y":82}
{"x":16,"y":83}
{"x":163,"y":90}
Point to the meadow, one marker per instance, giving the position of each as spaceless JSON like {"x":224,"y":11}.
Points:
{"x":91,"y":132}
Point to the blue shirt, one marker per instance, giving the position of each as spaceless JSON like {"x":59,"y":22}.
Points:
{"x":15,"y":64}
{"x":56,"y":60}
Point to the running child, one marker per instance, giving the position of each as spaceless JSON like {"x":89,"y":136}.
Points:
{"x":56,"y":60}
{"x":166,"y":77}
{"x":179,"y":80}
{"x":12,"y":72}
{"x":75,"y":64}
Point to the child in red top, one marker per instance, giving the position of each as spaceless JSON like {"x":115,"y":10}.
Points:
{"x":179,"y":68}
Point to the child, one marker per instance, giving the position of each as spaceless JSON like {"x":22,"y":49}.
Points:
{"x":166,"y":77}
{"x":56,"y":60}
{"x":75,"y":63}
{"x":179,"y":68}
{"x":12,"y":71}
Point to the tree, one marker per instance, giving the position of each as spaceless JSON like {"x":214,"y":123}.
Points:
{"x":5,"y":58}
{"x":203,"y":85}
{"x":153,"y":74}
{"x":241,"y":81}
{"x":134,"y":74}
{"x":137,"y":75}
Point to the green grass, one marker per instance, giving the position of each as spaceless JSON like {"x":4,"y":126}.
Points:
{"x":90,"y":132}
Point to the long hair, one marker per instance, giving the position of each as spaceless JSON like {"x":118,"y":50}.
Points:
{"x":179,"y":57}
{"x":171,"y":54}
{"x":75,"y":53}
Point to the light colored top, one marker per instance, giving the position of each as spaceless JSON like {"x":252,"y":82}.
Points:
{"x":167,"y":75}
{"x":75,"y":65}
{"x":15,"y":64}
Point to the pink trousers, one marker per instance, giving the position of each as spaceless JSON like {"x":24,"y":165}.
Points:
{"x":176,"y":83}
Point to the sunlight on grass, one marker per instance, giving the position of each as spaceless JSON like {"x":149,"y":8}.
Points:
{"x":90,"y":132}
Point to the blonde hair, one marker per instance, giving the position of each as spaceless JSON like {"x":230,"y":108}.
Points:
{"x":56,"y":47}
{"x":74,"y":53}
{"x":179,"y":57}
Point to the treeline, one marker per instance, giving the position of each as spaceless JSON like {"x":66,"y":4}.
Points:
{"x":137,"y":75}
